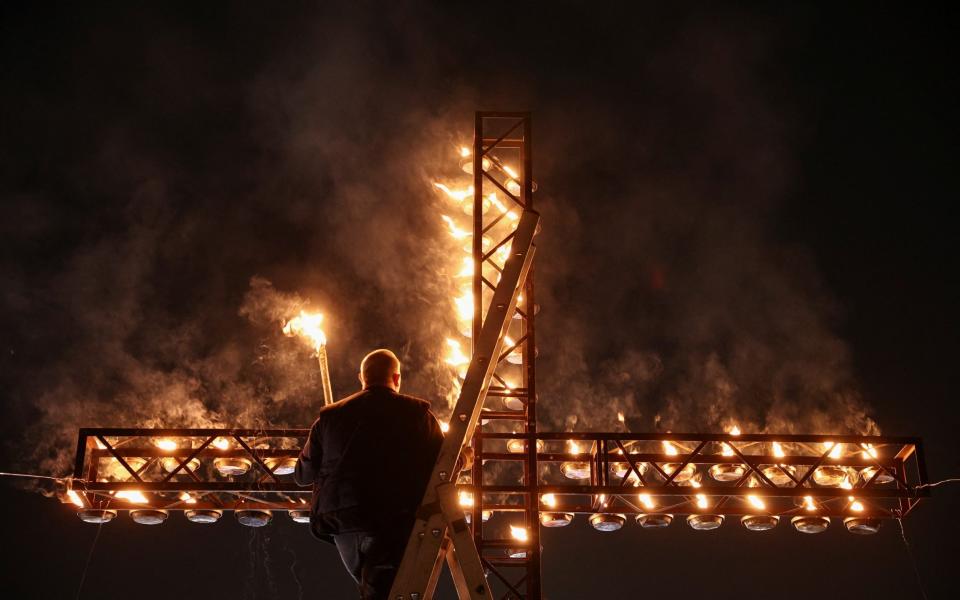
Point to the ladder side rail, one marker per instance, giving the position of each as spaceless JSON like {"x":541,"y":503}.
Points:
{"x":429,"y":528}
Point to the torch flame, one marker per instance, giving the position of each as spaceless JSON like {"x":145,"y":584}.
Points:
{"x":734,"y":430}
{"x":444,"y":426}
{"x":757,"y":502}
{"x":221,"y":443}
{"x":549,"y":500}
{"x":573,"y":447}
{"x":466,"y":499}
{"x":465,"y":152}
{"x":855,"y":505}
{"x":307,"y":325}
{"x":778,"y":450}
{"x":702,"y":501}
{"x":464,"y":304}
{"x":519,"y":533}
{"x":809,"y":504}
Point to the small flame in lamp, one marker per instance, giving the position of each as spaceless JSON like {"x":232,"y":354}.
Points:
{"x":229,"y":466}
{"x":759,"y":522}
{"x":703,"y":522}
{"x":75,"y":499}
{"x":860,"y":525}
{"x":132,"y":496}
{"x":575,"y":469}
{"x":831,"y":475}
{"x":810,"y":523}
{"x":170,"y":463}
{"x":550,"y":518}
{"x":455,"y":357}
{"x":307,"y":326}
{"x":517,"y":446}
{"x":779,"y":474}
{"x":686,"y":473}
{"x":444,"y":426}
{"x":519,"y":533}
{"x":465,"y":498}
{"x":652,"y":520}
{"x":187,"y":498}
{"x":728,"y":471}
{"x":877,"y":475}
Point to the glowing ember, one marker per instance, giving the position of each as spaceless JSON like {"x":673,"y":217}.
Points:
{"x":133,"y":496}
{"x":307,"y":326}
{"x":519,"y":533}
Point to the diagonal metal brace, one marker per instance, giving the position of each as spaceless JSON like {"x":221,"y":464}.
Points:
{"x":414,"y":579}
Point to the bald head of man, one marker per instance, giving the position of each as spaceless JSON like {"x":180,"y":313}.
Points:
{"x":380,"y":367}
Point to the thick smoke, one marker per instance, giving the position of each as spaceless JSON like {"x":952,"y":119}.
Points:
{"x":159,"y":258}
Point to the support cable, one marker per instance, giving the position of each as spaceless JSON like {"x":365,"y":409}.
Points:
{"x":913,"y":561}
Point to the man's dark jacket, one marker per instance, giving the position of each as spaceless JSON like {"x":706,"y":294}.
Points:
{"x":368,"y":457}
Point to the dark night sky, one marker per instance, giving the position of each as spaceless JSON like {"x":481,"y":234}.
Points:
{"x":763,"y":189}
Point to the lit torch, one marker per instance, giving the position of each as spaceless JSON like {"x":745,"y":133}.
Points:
{"x":307,"y":326}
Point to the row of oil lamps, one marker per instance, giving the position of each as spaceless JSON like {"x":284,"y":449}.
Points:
{"x":250,"y":517}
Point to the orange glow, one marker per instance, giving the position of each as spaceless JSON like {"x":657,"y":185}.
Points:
{"x":757,"y":502}
{"x":455,"y":231}
{"x":573,"y":447}
{"x":466,"y":499}
{"x":455,"y":356}
{"x":869,"y":451}
{"x":778,"y":450}
{"x":444,"y":426}
{"x":221,"y":443}
{"x":856,"y":505}
{"x":456,"y":195}
{"x":809,"y":504}
{"x":186,"y":497}
{"x":835,"y":449}
{"x":549,"y":500}
{"x":734,"y":430}
{"x":669,"y":448}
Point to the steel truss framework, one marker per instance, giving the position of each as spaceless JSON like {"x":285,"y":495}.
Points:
{"x":241,"y":469}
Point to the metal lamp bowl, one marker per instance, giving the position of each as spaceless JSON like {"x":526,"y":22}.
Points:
{"x":654,"y":521}
{"x":97,"y":516}
{"x":203,"y":515}
{"x":810,"y":523}
{"x":760,"y":522}
{"x":148,"y":516}
{"x":705,"y":522}
{"x":254,"y":517}
{"x":607,"y":521}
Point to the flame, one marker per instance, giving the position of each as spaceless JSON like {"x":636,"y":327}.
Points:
{"x":133,"y":496}
{"x":166,"y":444}
{"x":727,"y":450}
{"x":456,"y":195}
{"x":467,"y":271}
{"x":455,"y":356}
{"x":465,"y":152}
{"x":647,"y":501}
{"x":620,"y":417}
{"x":845,"y":484}
{"x":509,"y":171}
{"x":669,"y":448}
{"x":734,"y":430}
{"x":835,"y":449}
{"x":466,"y":499}
{"x":573,"y":447}
{"x":778,"y":450}
{"x":307,"y":325}
{"x":855,"y":505}
{"x":549,"y":500}
{"x":464,"y":305}
{"x":221,"y":443}
{"x":702,"y":501}
{"x":519,"y":533}
{"x":757,"y":502}
{"x":455,"y":231}
{"x":869,"y":451}
{"x":186,"y":497}
{"x":511,"y":214}
{"x":444,"y":426}
{"x":75,"y":498}
{"x":809,"y":504}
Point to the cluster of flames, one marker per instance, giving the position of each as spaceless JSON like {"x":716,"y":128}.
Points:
{"x":457,"y":208}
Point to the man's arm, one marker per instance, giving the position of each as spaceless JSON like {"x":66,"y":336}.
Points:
{"x":310,"y":457}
